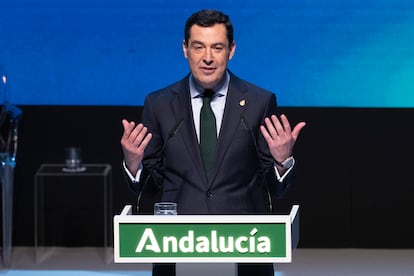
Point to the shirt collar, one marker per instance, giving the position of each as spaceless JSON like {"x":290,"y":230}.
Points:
{"x":221,"y":89}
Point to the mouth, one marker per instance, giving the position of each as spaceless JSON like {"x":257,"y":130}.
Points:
{"x":207,"y":70}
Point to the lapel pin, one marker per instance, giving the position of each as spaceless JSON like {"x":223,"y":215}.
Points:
{"x":242,"y":103}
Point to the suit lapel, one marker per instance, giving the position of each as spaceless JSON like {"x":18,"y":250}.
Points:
{"x":235,"y":106}
{"x":236,"y":102}
{"x":181,"y":106}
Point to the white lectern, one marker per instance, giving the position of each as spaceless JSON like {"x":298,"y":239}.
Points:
{"x":189,"y":240}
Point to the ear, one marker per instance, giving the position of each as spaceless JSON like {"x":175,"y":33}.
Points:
{"x":232,"y":50}
{"x":185,"y":49}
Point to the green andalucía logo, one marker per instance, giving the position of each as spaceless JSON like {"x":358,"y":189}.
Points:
{"x":203,"y":244}
{"x":202,"y":240}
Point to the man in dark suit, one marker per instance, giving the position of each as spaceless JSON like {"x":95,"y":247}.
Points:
{"x":248,"y":162}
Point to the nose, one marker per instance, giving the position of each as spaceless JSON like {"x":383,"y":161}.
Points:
{"x":208,"y":57}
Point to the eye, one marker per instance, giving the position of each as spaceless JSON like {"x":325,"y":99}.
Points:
{"x":197,"y":47}
{"x":218,"y":48}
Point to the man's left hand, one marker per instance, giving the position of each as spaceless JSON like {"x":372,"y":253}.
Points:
{"x":280,"y":137}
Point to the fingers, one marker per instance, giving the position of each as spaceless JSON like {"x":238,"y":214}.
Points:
{"x":135,"y":136}
{"x":145,"y":142}
{"x":266,"y":134}
{"x":297,"y":129}
{"x":276,"y":129}
{"x":138,"y":134}
{"x":286,"y":125}
{"x":270,"y":127}
{"x":285,"y":122}
{"x":128,"y":127}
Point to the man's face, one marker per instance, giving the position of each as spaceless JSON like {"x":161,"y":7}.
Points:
{"x":208,"y":52}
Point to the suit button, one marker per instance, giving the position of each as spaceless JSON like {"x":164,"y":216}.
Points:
{"x":209,"y":194}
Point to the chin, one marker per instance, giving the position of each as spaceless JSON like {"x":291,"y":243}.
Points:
{"x":209,"y":84}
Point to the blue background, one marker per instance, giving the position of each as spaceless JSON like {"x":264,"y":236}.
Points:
{"x":311,"y":53}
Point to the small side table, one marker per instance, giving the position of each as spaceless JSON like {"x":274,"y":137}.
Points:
{"x":57,"y":193}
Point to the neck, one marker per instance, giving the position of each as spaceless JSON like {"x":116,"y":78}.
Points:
{"x":201,"y":89}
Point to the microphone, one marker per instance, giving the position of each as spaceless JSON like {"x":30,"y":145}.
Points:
{"x":246,"y":126}
{"x":171,"y":134}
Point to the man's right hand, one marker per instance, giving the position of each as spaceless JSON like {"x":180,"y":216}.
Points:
{"x":134,"y":141}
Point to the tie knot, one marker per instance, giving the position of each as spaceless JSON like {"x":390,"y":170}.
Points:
{"x":208,"y":93}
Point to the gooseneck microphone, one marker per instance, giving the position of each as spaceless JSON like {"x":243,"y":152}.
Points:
{"x":246,"y":126}
{"x":171,"y":134}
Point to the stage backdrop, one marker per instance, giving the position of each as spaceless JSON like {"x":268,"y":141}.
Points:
{"x":78,"y":67}
{"x":324,"y":53}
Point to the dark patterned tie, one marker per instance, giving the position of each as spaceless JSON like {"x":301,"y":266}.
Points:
{"x":208,"y":132}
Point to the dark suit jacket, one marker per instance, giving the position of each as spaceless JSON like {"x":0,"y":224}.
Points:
{"x":243,"y":179}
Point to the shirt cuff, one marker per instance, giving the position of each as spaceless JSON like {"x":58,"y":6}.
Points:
{"x":280,"y":178}
{"x":131,"y":177}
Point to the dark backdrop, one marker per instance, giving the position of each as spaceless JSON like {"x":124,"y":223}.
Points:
{"x":354,"y":170}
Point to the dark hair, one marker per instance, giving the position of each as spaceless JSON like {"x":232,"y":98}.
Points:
{"x":208,"y":18}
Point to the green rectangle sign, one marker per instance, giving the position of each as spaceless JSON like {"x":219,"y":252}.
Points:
{"x":204,"y":238}
{"x":236,"y":240}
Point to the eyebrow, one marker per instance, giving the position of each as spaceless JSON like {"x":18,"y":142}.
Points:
{"x":214,"y":44}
